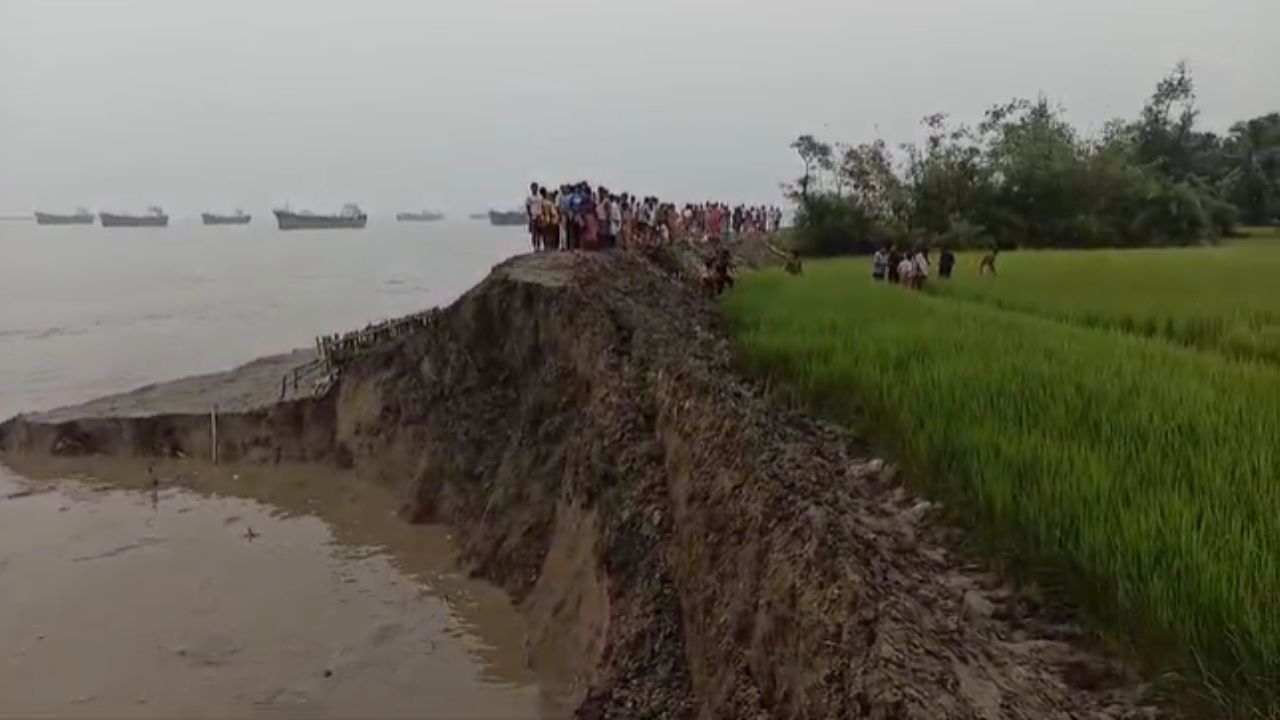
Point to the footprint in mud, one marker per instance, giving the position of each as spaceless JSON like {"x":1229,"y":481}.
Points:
{"x":212,"y":652}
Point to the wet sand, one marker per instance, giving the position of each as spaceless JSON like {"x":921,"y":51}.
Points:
{"x":247,"y":387}
{"x":187,"y":599}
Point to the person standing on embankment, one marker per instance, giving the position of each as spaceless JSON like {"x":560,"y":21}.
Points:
{"x":533,"y":211}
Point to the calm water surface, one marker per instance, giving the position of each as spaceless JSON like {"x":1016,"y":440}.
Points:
{"x":86,"y":310}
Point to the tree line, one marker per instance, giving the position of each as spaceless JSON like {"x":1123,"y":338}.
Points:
{"x":1024,"y":176}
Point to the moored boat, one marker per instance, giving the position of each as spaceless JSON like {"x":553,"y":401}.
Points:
{"x":155,"y":217}
{"x":351,"y":217}
{"x":239,"y":217}
{"x":508,"y":218}
{"x":79,"y":217}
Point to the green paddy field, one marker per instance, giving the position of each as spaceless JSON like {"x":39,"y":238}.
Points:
{"x":1107,"y":423}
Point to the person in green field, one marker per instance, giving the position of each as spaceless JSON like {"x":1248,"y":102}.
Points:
{"x":880,"y":264}
{"x":988,"y":264}
{"x":793,"y":264}
{"x":895,"y":261}
{"x":946,"y":262}
{"x":919,"y":267}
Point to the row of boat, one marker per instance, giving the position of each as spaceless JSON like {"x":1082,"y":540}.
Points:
{"x":351,"y":216}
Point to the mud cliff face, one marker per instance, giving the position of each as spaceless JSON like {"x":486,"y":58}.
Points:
{"x":680,"y":547}
{"x":689,"y":549}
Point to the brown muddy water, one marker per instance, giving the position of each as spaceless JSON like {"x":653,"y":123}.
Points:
{"x":178,"y":589}
{"x":191,"y":599}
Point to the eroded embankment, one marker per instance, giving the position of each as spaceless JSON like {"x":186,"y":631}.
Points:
{"x":679,"y":546}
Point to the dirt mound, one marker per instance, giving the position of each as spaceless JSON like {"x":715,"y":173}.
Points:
{"x":681,"y":547}
{"x":698,"y":553}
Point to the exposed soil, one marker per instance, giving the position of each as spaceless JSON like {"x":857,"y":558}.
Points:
{"x":681,"y":547}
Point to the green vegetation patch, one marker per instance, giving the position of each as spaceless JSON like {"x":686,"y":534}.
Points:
{"x":1138,"y":478}
{"x":1224,"y":299}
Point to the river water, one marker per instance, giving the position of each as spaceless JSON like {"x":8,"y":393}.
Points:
{"x":87,"y":311}
{"x":133,"y":588}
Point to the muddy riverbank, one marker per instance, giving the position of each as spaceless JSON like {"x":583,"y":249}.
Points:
{"x":682,"y":546}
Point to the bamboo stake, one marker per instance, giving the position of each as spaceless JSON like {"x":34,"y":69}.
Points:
{"x":213,"y":432}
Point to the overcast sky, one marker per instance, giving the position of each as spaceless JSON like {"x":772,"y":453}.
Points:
{"x":458,"y":104}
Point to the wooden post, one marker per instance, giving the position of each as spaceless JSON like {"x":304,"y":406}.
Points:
{"x":213,"y":433}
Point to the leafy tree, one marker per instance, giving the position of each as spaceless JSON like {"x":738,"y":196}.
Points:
{"x":867,"y":171}
{"x":816,"y":156}
{"x":1024,"y":176}
{"x":1251,"y":180}
{"x":829,"y":224}
{"x":1041,"y":174}
{"x":1166,"y":127}
{"x":946,"y":178}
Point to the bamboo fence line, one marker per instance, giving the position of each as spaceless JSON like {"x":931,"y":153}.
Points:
{"x":335,"y":352}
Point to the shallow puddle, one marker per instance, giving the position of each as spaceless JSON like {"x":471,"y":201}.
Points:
{"x":188,"y":598}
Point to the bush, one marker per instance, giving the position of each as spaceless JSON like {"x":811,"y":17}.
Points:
{"x":1175,"y":215}
{"x":1223,"y":215}
{"x":832,"y":225}
{"x":964,"y":234}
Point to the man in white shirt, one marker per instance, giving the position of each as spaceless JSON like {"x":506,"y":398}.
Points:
{"x":532,"y":209}
{"x":919,"y":268}
{"x":880,"y":264}
{"x":615,"y":220}
{"x":905,"y":271}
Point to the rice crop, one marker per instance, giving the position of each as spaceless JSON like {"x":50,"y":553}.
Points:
{"x":1133,"y":476}
{"x":1223,"y":299}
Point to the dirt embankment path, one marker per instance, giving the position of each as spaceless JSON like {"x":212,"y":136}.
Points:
{"x":679,"y":546}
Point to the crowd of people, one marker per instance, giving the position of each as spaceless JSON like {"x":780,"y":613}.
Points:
{"x":910,"y":268}
{"x":579,"y":217}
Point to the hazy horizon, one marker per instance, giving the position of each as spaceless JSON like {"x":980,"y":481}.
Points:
{"x":216,"y":104}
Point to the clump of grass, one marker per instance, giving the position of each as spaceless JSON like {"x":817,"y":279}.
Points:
{"x":1137,"y":478}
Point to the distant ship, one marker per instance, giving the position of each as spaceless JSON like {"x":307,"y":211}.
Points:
{"x":237,"y":218}
{"x":350,"y":217}
{"x":155,"y":217}
{"x":512,"y":217}
{"x":424,"y":216}
{"x":479,"y":216}
{"x":79,"y":217}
